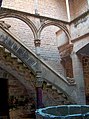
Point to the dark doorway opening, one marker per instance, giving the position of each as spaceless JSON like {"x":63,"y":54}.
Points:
{"x":4,"y":107}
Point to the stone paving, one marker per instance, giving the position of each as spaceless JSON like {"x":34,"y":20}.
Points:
{"x":20,"y":113}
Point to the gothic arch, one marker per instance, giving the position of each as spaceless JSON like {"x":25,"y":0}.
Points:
{"x":58,"y":24}
{"x":6,"y":14}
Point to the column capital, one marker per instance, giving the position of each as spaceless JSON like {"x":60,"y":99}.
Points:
{"x":37,"y":42}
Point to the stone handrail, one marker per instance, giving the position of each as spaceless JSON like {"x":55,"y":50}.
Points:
{"x":8,"y":40}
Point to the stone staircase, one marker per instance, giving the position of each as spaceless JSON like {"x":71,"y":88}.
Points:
{"x":57,"y":66}
{"x":27,"y":57}
{"x":16,"y":68}
{"x":51,"y":96}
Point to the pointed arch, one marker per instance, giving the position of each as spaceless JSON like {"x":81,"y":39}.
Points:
{"x":6,"y":14}
{"x":58,"y":24}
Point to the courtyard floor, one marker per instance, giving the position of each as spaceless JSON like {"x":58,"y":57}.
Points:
{"x":20,"y":113}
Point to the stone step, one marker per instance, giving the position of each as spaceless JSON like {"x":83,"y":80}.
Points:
{"x":7,"y":50}
{"x":54,"y":88}
{"x":1,"y":46}
{"x":13,"y":56}
{"x":19,"y":60}
{"x":30,"y":58}
{"x":54,"y":95}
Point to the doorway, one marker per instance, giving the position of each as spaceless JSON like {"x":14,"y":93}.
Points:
{"x":4,"y":107}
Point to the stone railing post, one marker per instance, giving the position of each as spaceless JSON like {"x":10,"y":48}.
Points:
{"x":38,"y":75}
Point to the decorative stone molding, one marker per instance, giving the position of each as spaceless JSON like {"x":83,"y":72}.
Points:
{"x":30,"y":59}
{"x":45,"y":22}
{"x":37,"y":42}
{"x":5,"y":25}
{"x":71,"y":80}
{"x":55,"y":23}
{"x":7,"y":13}
{"x":39,"y":80}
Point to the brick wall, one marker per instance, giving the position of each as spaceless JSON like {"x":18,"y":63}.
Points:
{"x":77,"y":7}
{"x":50,"y":8}
{"x":85,"y":62}
{"x":16,"y":89}
{"x":53,"y":8}
{"x":21,"y":31}
{"x":22,"y":5}
{"x":68,"y":67}
{"x":48,"y":42}
{"x":61,"y":38}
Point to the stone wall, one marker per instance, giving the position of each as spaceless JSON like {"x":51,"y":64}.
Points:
{"x":23,"y":33}
{"x":50,"y":8}
{"x":77,"y":7}
{"x":80,"y":43}
{"x":80,"y":27}
{"x":16,"y":89}
{"x":85,"y":62}
{"x":67,"y":63}
{"x":56,"y":9}
{"x":61,"y":38}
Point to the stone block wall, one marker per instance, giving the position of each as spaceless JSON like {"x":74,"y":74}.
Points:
{"x":77,"y":7}
{"x":16,"y":89}
{"x":26,"y":5}
{"x":80,"y":27}
{"x":23,"y":33}
{"x":85,"y":62}
{"x":61,"y":38}
{"x":80,"y":43}
{"x":67,"y":63}
{"x":50,"y":8}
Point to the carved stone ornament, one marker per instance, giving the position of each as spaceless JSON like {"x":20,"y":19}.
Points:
{"x":4,"y":25}
{"x":37,"y":42}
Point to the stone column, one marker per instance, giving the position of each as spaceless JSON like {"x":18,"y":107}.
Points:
{"x":68,"y":10}
{"x":39,"y":90}
{"x":88,"y":2}
{"x":79,"y":92}
{"x":36,"y":6}
{"x":38,"y":75}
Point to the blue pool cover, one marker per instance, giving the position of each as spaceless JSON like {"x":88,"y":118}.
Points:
{"x":64,"y":112}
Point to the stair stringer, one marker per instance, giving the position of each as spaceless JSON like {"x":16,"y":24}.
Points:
{"x":30,"y":59}
{"x":16,"y":70}
{"x":50,"y":94}
{"x":17,"y":75}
